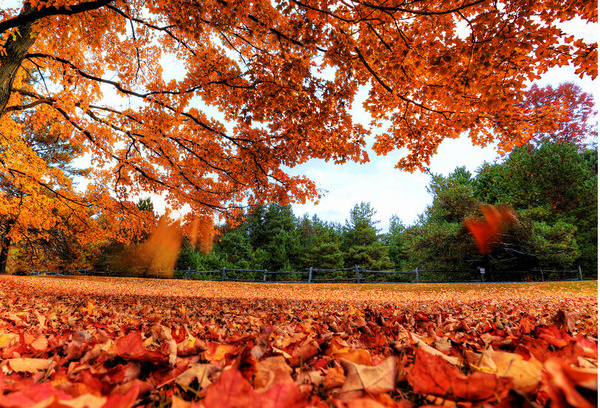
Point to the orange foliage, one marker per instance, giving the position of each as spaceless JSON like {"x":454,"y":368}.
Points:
{"x":218,"y":99}
{"x":486,"y":231}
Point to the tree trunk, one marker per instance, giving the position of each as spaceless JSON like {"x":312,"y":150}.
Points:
{"x":16,"y":47}
{"x":4,"y":247}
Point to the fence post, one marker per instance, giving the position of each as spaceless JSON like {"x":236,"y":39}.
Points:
{"x":224,"y":274}
{"x":189,"y":274}
{"x":416,"y":275}
{"x":265,"y":276}
{"x":309,"y":274}
{"x":542,"y":272}
{"x":357,"y":273}
{"x":580,"y":274}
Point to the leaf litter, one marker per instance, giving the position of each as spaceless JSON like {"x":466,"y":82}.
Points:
{"x":119,"y":342}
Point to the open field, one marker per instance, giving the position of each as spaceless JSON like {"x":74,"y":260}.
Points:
{"x":123,"y":342}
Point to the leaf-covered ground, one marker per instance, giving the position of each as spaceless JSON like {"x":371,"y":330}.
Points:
{"x":116,"y":342}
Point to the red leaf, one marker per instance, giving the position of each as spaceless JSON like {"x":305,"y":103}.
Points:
{"x":433,"y":375}
{"x":485,"y":231}
{"x":32,"y":396}
{"x":233,"y":391}
{"x":126,"y":400}
{"x":566,"y":385}
{"x":131,"y":347}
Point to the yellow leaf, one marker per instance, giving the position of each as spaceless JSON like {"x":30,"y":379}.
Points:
{"x":526,"y":375}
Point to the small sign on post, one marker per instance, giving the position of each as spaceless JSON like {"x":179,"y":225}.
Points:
{"x":482,"y":272}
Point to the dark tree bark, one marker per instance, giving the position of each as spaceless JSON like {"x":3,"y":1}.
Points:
{"x":20,"y":40}
{"x":16,"y":47}
{"x":5,"y":242}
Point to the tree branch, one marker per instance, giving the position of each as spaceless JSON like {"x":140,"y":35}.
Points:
{"x":36,"y":14}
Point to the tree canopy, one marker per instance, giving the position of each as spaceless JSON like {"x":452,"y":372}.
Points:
{"x":262,"y":85}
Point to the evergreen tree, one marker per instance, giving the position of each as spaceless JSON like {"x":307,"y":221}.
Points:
{"x":361,"y":243}
{"x":395,"y":240}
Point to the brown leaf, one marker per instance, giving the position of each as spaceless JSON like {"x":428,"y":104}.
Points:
{"x":199,"y":372}
{"x":526,"y":374}
{"x":373,"y":379}
{"x":262,"y":342}
{"x":272,"y":370}
{"x":300,"y":355}
{"x":29,"y":365}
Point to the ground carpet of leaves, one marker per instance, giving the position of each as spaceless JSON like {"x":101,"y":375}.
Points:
{"x":118,"y":342}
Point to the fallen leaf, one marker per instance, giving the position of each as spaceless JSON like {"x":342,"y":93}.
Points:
{"x":232,"y":390}
{"x":526,"y":375}
{"x":431,"y":374}
{"x":373,"y":379}
{"x":199,"y":372}
{"x":131,"y":347}
{"x":272,"y":370}
{"x":335,"y":377}
{"x":563,"y":382}
{"x":29,"y":365}
{"x":358,"y":356}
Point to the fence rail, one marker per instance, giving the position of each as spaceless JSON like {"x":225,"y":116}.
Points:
{"x":357,"y":274}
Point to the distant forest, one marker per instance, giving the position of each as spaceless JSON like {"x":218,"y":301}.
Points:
{"x":552,"y":188}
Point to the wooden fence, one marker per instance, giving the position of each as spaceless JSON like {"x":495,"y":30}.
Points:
{"x":357,"y":274}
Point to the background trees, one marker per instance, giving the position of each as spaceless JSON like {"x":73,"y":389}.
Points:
{"x":551,"y":185}
{"x":262,"y":87}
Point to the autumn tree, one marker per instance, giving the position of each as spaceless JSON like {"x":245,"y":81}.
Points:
{"x":576,"y":124}
{"x":44,"y":222}
{"x":252,"y":87}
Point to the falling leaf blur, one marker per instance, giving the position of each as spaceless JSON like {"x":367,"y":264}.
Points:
{"x":485,"y":231}
{"x":201,"y":233}
{"x":163,"y":247}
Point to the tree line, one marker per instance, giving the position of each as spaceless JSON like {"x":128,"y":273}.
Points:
{"x":552,"y":188}
{"x":550,"y":185}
